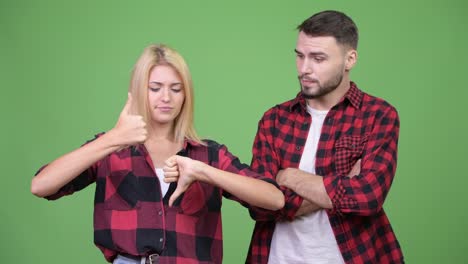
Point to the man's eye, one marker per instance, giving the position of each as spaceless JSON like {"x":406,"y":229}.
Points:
{"x":319,"y":59}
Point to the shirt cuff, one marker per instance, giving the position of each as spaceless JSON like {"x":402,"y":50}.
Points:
{"x":292,"y":204}
{"x":339,"y":190}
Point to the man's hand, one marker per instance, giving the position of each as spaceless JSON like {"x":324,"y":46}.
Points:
{"x":130,"y":129}
{"x":183,"y":170}
{"x":289,"y":177}
{"x":294,"y":178}
{"x":356,"y":169}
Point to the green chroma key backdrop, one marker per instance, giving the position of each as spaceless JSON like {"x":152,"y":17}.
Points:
{"x":65,"y":67}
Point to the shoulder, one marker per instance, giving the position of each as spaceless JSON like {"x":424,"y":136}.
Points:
{"x":214,"y":151}
{"x":209,"y":145}
{"x":212,"y":144}
{"x":377,"y":106}
{"x":216,"y":147}
{"x":279,"y":110}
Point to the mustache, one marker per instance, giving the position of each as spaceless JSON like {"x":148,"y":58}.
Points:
{"x":306,"y":78}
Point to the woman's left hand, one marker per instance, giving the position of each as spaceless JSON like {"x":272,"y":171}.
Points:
{"x":184,"y":171}
{"x":171,"y":171}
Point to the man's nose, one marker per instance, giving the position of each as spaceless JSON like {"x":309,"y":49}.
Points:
{"x":305,"y":67}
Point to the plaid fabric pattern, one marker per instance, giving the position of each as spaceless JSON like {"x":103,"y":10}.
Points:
{"x":131,"y":216}
{"x":360,"y":126}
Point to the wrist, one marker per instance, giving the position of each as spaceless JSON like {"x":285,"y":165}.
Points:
{"x":202,"y":172}
{"x":296,"y":182}
{"x":198,"y":169}
{"x":110,"y":139}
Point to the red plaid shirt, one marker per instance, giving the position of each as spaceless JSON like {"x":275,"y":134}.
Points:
{"x":360,"y":126}
{"x":132,"y":217}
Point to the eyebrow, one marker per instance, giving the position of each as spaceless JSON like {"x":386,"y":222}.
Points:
{"x":160,"y":83}
{"x":312,"y":53}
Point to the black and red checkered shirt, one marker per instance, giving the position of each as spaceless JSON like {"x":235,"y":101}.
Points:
{"x":360,"y":126}
{"x":131,"y":217}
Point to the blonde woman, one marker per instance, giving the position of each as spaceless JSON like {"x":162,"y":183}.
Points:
{"x":158,"y":185}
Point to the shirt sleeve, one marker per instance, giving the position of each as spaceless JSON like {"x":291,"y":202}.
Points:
{"x":80,"y":182}
{"x":365,"y":193}
{"x":228,"y":162}
{"x":266,"y":161}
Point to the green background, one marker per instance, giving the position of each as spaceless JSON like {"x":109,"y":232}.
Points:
{"x":65,"y":66}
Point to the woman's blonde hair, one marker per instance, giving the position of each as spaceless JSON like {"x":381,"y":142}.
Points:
{"x":155,"y":55}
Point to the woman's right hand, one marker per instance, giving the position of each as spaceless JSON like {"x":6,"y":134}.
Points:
{"x":130,"y":129}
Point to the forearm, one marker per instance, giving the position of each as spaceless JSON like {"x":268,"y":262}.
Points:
{"x":312,"y":189}
{"x":253,"y":191}
{"x":365,"y":193}
{"x":362,"y":195}
{"x":64,"y":169}
{"x":308,"y":186}
{"x":292,"y":203}
{"x":307,"y":207}
{"x":295,"y":206}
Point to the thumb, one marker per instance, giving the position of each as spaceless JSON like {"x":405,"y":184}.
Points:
{"x":172,"y":161}
{"x":178,"y":191}
{"x":128,"y":105}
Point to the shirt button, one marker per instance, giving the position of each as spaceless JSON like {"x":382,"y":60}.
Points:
{"x":298,"y":148}
{"x":329,"y":120}
{"x":161,"y":240}
{"x":160,"y":213}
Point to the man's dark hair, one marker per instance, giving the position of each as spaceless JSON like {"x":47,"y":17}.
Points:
{"x":334,"y":24}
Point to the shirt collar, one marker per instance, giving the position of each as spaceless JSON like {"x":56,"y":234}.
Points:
{"x":353,"y":96}
{"x":188,"y":142}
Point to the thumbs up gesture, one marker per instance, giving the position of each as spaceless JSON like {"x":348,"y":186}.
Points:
{"x":130,"y":129}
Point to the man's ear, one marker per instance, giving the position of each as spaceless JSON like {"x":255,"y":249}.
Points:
{"x":351,"y":59}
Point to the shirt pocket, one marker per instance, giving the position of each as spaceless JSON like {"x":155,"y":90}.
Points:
{"x":200,"y":198}
{"x":348,"y":149}
{"x":121,"y":191}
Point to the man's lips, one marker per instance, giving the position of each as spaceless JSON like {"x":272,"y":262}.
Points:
{"x":307,"y":81}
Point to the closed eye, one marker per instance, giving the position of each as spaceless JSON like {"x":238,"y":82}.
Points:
{"x":319,"y":59}
{"x":299,"y":54}
{"x":176,"y":87}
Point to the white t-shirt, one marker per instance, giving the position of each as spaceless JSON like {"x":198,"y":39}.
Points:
{"x":164,"y":186}
{"x":309,"y":238}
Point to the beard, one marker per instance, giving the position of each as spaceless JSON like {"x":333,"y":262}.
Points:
{"x":323,"y":88}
